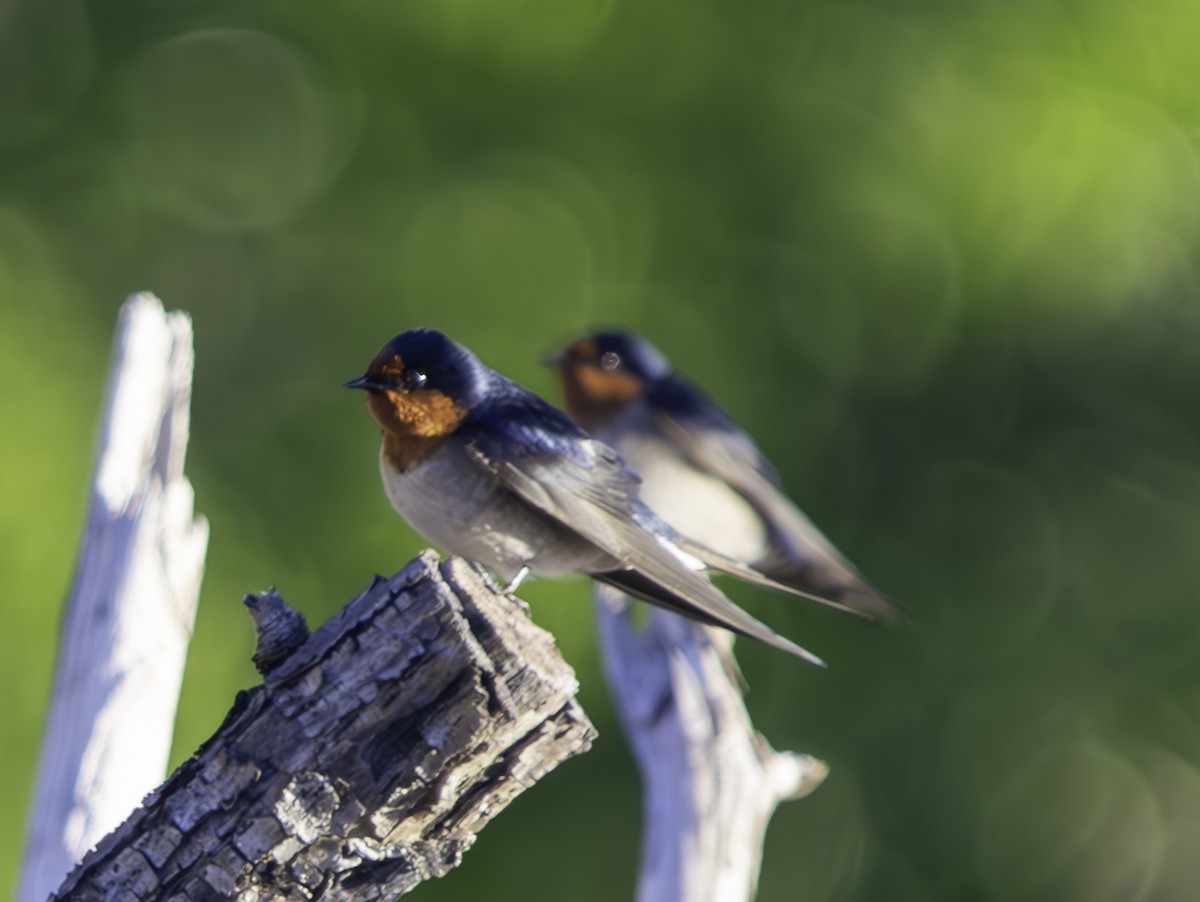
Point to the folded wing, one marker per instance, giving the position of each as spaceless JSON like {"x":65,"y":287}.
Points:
{"x":590,"y":491}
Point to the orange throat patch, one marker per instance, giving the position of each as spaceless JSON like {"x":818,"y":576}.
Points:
{"x":414,"y":423}
{"x":594,"y":396}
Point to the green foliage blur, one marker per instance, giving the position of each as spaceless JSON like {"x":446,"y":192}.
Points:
{"x":940,"y":258}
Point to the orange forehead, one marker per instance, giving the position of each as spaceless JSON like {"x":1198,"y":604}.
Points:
{"x":584,"y":349}
{"x":386,"y":362}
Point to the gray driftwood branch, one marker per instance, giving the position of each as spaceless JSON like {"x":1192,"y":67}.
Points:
{"x":367,"y":760}
{"x":710,"y":782}
{"x":129,"y":616}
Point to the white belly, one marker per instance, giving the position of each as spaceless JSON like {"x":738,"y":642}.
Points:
{"x":460,"y":507}
{"x":699,"y":506}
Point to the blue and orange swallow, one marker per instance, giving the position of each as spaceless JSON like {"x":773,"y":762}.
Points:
{"x":700,"y":472}
{"x":486,"y":469}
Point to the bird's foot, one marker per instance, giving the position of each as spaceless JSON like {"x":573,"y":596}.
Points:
{"x":515,"y":582}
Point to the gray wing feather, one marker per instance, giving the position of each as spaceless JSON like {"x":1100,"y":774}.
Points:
{"x":714,"y":560}
{"x":803,"y":557}
{"x":599,"y":502}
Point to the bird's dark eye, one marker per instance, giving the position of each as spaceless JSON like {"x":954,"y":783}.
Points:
{"x":609,"y":361}
{"x":413,"y":379}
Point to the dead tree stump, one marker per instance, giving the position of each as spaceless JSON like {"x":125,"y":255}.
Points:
{"x":368,"y":758}
{"x":128,"y":619}
{"x":710,"y":781}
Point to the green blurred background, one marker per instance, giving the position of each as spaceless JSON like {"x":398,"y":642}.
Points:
{"x":940,"y":258}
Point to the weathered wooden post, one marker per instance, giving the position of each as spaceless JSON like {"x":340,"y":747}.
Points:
{"x":373,"y":752}
{"x":129,"y":616}
{"x":710,"y":782}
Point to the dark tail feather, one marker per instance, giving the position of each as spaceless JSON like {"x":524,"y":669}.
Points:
{"x":721,"y":563}
{"x":852,"y":593}
{"x":735,"y":619}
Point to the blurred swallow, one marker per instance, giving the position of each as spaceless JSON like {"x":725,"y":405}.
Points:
{"x":486,"y":469}
{"x":700,"y":472}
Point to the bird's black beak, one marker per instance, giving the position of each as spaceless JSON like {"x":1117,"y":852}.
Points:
{"x":364,"y":382}
{"x":551,"y":358}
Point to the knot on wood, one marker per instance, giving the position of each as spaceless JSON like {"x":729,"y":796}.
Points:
{"x":281,"y":629}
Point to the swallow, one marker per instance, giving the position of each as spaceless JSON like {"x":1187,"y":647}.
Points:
{"x":486,"y":469}
{"x":701,"y":473}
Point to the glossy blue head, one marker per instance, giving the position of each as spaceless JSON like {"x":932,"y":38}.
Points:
{"x":425,"y":360}
{"x":618,"y":352}
{"x":422,"y":384}
{"x":603,"y":372}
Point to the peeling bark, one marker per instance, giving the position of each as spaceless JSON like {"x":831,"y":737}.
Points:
{"x":367,"y":760}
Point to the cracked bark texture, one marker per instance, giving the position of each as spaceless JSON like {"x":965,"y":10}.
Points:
{"x":365,"y":762}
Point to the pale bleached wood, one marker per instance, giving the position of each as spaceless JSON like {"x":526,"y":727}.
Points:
{"x":710,"y":782}
{"x":367,"y":760}
{"x":129,"y":615}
